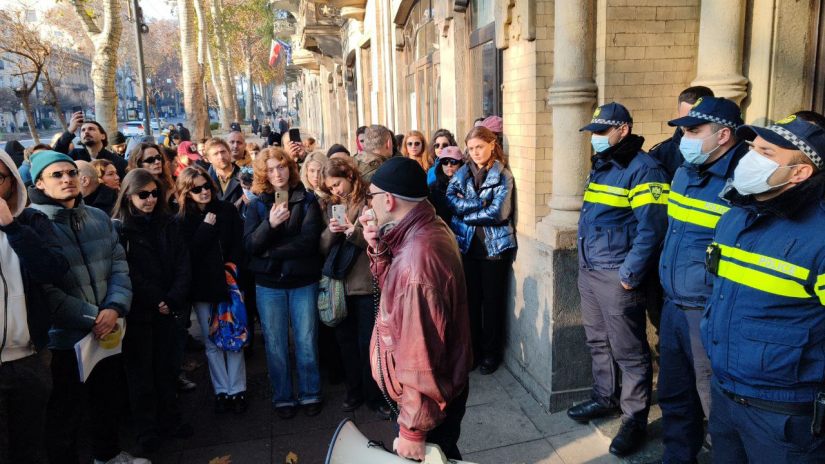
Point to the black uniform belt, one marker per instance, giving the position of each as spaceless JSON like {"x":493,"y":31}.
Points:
{"x":690,"y":308}
{"x":778,"y":407}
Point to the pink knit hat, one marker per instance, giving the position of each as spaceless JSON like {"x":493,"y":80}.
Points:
{"x":494,"y":123}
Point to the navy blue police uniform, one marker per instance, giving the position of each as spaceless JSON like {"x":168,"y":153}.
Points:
{"x":694,"y":208}
{"x":764,"y":325}
{"x":621,"y":227}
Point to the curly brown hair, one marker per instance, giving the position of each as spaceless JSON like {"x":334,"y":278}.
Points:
{"x":343,"y":168}
{"x":186,"y":181}
{"x":260,"y":181}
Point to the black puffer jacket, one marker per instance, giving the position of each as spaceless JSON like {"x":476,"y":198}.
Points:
{"x":212,"y":246}
{"x":158,"y":265}
{"x":286,"y":256}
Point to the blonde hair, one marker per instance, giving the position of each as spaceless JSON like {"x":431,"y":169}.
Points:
{"x":424,"y":158}
{"x":260,"y":181}
{"x":314,"y":157}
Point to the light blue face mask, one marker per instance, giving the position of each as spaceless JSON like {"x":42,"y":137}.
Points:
{"x":692,"y":149}
{"x":600,"y":142}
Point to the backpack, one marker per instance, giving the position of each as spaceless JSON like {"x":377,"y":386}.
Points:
{"x":332,"y":303}
{"x":228,"y":326}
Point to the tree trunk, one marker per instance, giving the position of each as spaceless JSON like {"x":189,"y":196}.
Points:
{"x":57,"y":108}
{"x":203,"y":30}
{"x":27,"y":107}
{"x":104,"y":66}
{"x":223,"y":111}
{"x":193,"y":101}
{"x":221,"y":56}
{"x":250,"y":94}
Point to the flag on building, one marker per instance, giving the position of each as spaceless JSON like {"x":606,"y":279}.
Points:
{"x":279,"y":48}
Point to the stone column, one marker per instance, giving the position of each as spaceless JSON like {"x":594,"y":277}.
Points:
{"x":572,"y":97}
{"x":721,"y":42}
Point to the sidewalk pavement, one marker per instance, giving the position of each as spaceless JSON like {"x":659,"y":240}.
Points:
{"x":503,"y":424}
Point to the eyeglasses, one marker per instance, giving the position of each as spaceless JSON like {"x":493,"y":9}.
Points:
{"x":3,"y":178}
{"x":441,"y":145}
{"x":144,"y":194}
{"x":413,"y":144}
{"x":452,"y":162}
{"x":151,"y":159}
{"x":59,"y":174}
{"x":201,"y":188}
{"x":371,"y":195}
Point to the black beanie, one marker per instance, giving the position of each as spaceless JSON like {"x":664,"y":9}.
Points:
{"x":402,"y":177}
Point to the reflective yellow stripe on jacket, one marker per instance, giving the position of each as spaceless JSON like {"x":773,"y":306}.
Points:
{"x":641,"y":195}
{"x":760,"y":280}
{"x":693,"y":211}
{"x":819,"y":288}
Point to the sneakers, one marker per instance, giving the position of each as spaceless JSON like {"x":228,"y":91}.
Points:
{"x":221,"y":403}
{"x":286,"y":412}
{"x":239,"y":403}
{"x":184,"y":384}
{"x":124,"y":458}
{"x":313,"y":409}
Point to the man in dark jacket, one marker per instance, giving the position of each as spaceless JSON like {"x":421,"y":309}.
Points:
{"x":667,"y":152}
{"x":94,"y":193}
{"x":224,"y":171}
{"x":29,"y":255}
{"x":89,"y":299}
{"x":423,"y":331}
{"x":94,"y":141}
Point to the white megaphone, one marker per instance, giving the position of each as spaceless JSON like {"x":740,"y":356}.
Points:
{"x":350,"y":446}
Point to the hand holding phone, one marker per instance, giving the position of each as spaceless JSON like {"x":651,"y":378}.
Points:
{"x":295,"y":135}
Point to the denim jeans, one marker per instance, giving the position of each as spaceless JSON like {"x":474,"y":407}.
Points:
{"x":227,"y":368}
{"x":278,"y":309}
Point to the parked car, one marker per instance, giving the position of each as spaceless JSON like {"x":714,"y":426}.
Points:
{"x":132,"y":128}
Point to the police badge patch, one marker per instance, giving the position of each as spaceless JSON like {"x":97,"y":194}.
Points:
{"x":656,"y":190}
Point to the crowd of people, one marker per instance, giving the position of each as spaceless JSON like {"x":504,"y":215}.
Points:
{"x":388,"y":268}
{"x":136,"y":240}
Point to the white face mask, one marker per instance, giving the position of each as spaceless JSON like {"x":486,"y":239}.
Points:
{"x":752,"y":174}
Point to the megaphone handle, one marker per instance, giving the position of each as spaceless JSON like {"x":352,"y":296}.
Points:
{"x":434,"y":455}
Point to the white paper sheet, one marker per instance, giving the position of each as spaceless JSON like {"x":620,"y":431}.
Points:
{"x":89,"y":352}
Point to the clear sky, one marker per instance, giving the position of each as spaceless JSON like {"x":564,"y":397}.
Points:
{"x":157,"y":9}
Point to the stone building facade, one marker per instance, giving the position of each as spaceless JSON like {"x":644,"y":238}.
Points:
{"x":544,"y":65}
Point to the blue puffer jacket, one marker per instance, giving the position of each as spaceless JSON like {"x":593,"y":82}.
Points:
{"x":98,"y":276}
{"x":491,"y":207}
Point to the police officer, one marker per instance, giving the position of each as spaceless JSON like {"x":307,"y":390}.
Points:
{"x":621,"y":227}
{"x":764,"y":325}
{"x":711,"y":153}
{"x":667,"y":152}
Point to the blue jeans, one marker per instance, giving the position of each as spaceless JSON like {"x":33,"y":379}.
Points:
{"x":277,"y":309}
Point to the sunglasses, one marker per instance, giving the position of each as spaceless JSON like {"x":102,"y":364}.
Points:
{"x":144,"y":194}
{"x":413,"y":144}
{"x":59,"y":174}
{"x":201,"y":188}
{"x":441,"y":145}
{"x":151,"y":159}
{"x":452,"y":162}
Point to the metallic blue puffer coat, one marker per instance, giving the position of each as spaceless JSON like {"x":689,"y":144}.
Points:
{"x":491,"y":207}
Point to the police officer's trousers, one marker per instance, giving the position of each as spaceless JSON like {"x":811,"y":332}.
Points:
{"x":615,"y":326}
{"x":684,"y":383}
{"x":748,"y":435}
